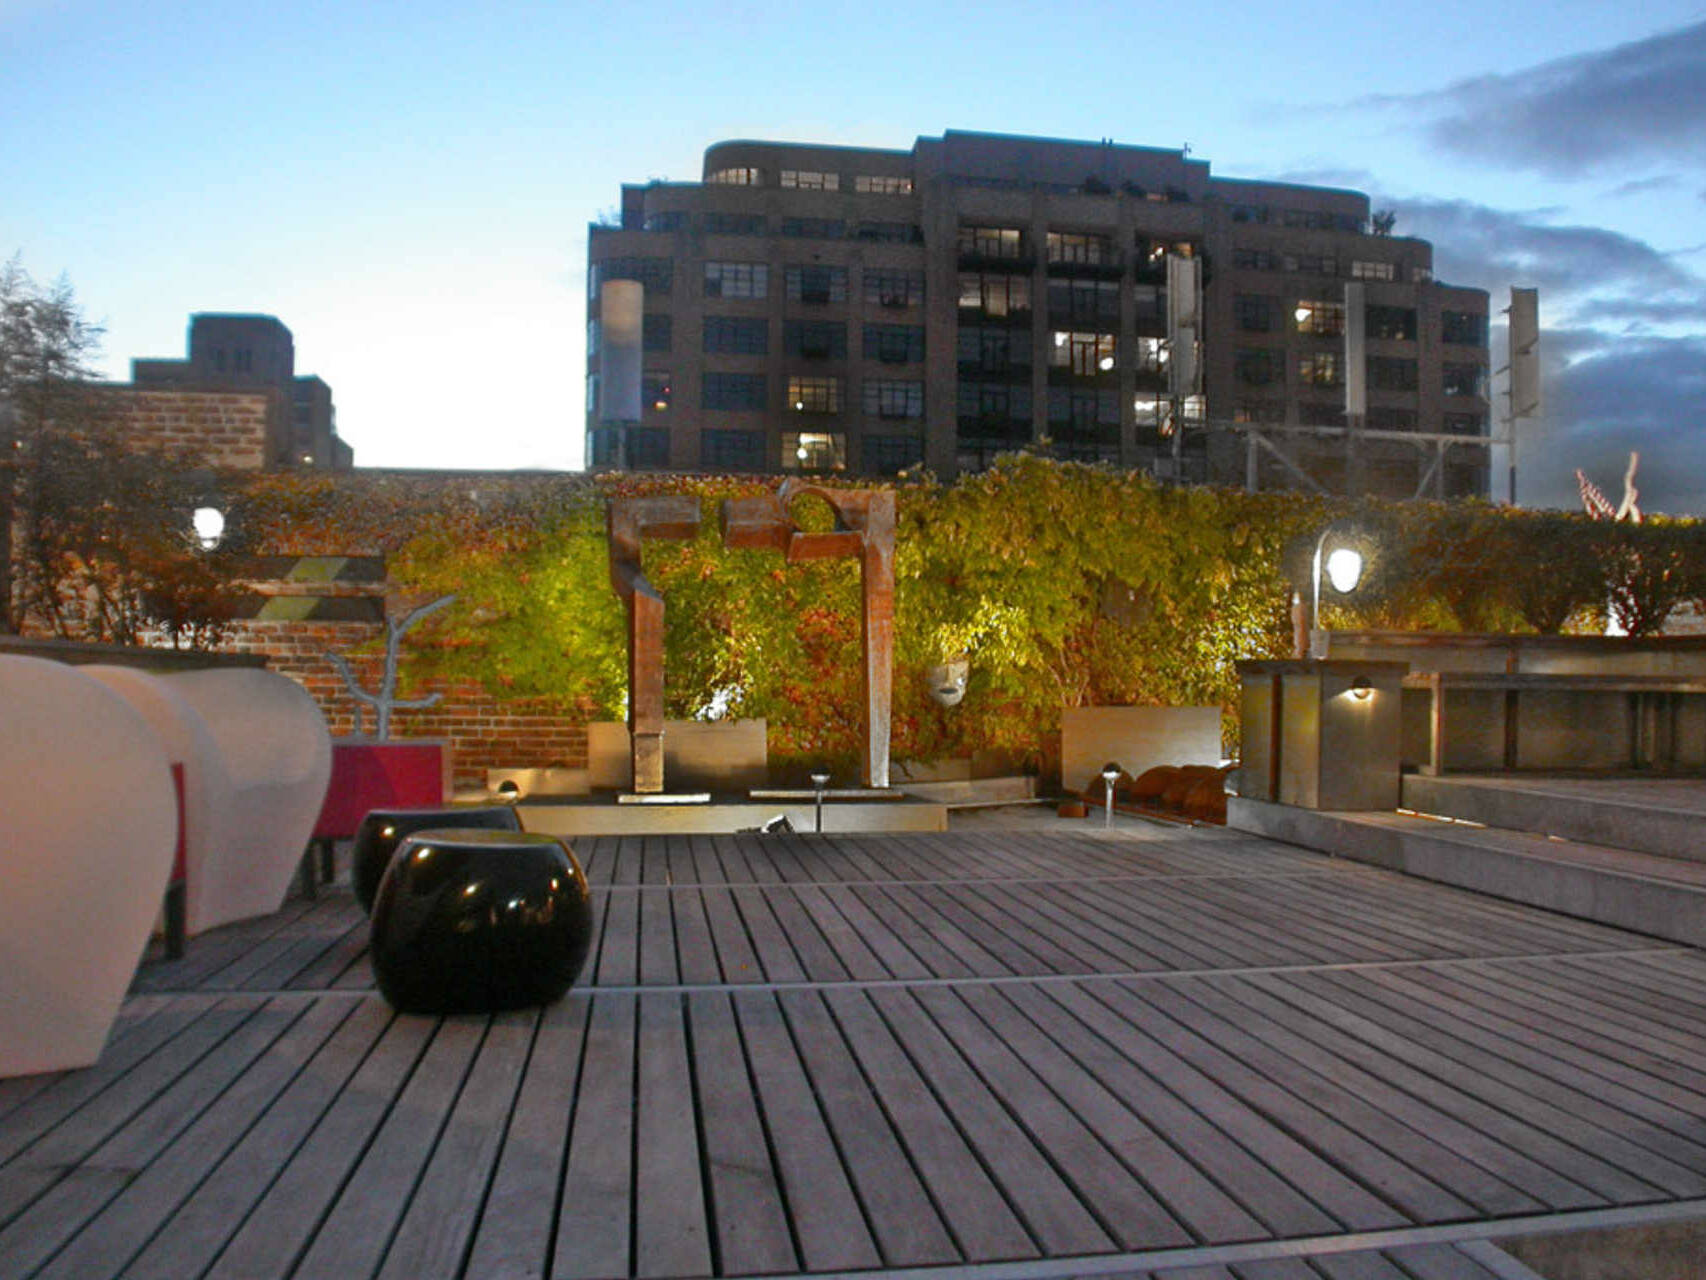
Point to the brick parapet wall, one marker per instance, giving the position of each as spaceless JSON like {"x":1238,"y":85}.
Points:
{"x":234,"y":429}
{"x":484,"y":733}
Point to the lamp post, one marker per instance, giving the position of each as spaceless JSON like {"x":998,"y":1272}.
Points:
{"x":819,"y":782}
{"x":1110,"y":775}
{"x":1344,"y":570}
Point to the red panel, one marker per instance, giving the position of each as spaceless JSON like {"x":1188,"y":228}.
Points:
{"x":379,"y":775}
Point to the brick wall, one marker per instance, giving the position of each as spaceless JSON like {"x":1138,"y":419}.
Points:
{"x":228,"y":428}
{"x":483,"y":733}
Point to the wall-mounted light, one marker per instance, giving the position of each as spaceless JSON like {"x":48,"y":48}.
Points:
{"x":209,"y":525}
{"x":1344,"y":570}
{"x":1362,"y":688}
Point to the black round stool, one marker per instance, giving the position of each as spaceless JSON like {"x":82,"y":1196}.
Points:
{"x":470,"y":921}
{"x":382,"y":830}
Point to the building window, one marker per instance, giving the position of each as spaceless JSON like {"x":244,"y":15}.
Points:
{"x":1319,"y":319}
{"x":1463,"y":379}
{"x":992,"y":242}
{"x":1081,"y":353}
{"x":882,"y":185}
{"x":1083,"y":410}
{"x":808,"y":180}
{"x":1150,"y":356}
{"x":1321,"y":369}
{"x":893,"y":287}
{"x":666,"y":220}
{"x":814,"y":395}
{"x":995,"y":407}
{"x":814,"y":228}
{"x":1253,"y":313}
{"x":737,"y":280}
{"x":733,"y":178}
{"x":1149,"y":304}
{"x":1259,"y":366}
{"x":647,"y":447}
{"x":885,"y":455}
{"x":1421,"y":275}
{"x":1389,"y":418}
{"x":594,"y":335}
{"x":1392,"y":373}
{"x":816,"y":284}
{"x":995,"y":293}
{"x":1249,"y":213}
{"x":889,"y":233}
{"x":1467,"y":327}
{"x":656,"y":274}
{"x":892,"y":398}
{"x":1088,"y":249}
{"x":1312,"y":264}
{"x":817,"y":339}
{"x":1391,"y":323}
{"x":656,"y":331}
{"x":736,"y":335}
{"x":814,"y":451}
{"x":1361,"y":270}
{"x":1322,"y":220}
{"x":1465,"y":424}
{"x":1085,"y":301}
{"x":654,"y":390}
{"x":894,"y":343}
{"x":1245,"y":259}
{"x":1258,"y":411}
{"x":744,"y":392}
{"x":990,"y":350}
{"x":735,"y":224}
{"x":731,"y":450}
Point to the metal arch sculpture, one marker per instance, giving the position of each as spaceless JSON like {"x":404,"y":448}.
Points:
{"x":628,"y":522}
{"x":864,"y":528}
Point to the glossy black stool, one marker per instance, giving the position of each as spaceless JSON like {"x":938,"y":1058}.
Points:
{"x":470,"y":921}
{"x":382,"y":830}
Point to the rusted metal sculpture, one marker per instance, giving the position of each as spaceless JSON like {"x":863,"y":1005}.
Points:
{"x":864,"y":528}
{"x":630,"y":521}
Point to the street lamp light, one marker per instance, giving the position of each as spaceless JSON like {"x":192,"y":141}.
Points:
{"x":1344,"y":571}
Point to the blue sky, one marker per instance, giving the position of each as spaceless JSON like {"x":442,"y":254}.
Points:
{"x":408,"y":185}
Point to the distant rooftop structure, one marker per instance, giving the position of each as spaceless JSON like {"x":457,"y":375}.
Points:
{"x":235,"y":351}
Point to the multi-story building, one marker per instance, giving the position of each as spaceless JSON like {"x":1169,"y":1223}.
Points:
{"x":820,"y":307}
{"x":255,"y":352}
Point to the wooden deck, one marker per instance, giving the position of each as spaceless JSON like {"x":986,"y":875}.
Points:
{"x":995,"y":1054}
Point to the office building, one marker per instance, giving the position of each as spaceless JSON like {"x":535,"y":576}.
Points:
{"x":822,"y":308}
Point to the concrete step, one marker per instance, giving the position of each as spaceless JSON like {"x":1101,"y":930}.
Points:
{"x":1627,"y":889}
{"x":967,"y":793}
{"x":1664,"y":816}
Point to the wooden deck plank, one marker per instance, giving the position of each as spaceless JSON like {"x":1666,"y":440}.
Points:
{"x":671,"y":1235}
{"x":657,"y":963}
{"x":816,"y":952}
{"x":188,"y":1240}
{"x":439,"y":1220}
{"x":850,"y":943}
{"x":1365,"y":1265}
{"x":346,"y":954}
{"x":513,"y":1235}
{"x":1438,"y":1262}
{"x":288,"y":1216}
{"x":896,"y":921}
{"x":125,"y":1225}
{"x":696,"y":951}
{"x":735,"y":954}
{"x":770,"y":941}
{"x":751,"y":1233}
{"x":896,"y":959}
{"x":903,"y":1219}
{"x":829,"y":1223}
{"x":616,"y":943}
{"x":595,"y":1212}
{"x":371,"y":1205}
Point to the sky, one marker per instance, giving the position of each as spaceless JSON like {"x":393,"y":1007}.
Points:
{"x":408,"y":185}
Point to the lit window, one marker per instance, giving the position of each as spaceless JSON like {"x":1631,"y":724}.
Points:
{"x":733,"y":177}
{"x":995,"y":293}
{"x":807,"y":180}
{"x":882,"y":185}
{"x":1085,"y":354}
{"x":1323,"y":319}
{"x":992,"y":242}
{"x":1463,"y":379}
{"x":1361,"y":270}
{"x":814,"y":395}
{"x":814,"y":451}
{"x":1321,"y":369}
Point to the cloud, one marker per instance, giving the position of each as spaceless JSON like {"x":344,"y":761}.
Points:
{"x":1609,"y":110}
{"x":1647,"y":395}
{"x":1645,"y":186}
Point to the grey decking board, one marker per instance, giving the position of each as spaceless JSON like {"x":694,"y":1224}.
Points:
{"x":816,"y":951}
{"x":189,"y":1239}
{"x":777,"y":958}
{"x":671,"y":1233}
{"x":733,"y":945}
{"x":656,"y":945}
{"x":514,"y":1233}
{"x":595,"y":1214}
{"x":851,"y":943}
{"x":441,"y":1213}
{"x":696,"y":951}
{"x":615,"y":959}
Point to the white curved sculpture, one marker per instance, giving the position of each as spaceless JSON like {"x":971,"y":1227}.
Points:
{"x":88,"y":824}
{"x":261,"y":790}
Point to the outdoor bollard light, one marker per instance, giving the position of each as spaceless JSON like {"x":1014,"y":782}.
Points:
{"x":1110,"y":775}
{"x":819,"y":782}
{"x":1344,"y":570}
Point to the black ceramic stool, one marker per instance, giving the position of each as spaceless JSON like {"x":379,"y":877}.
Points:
{"x":382,"y":830}
{"x":471,"y":921}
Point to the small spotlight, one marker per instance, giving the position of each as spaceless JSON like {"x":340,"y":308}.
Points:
{"x":209,"y":525}
{"x":1362,"y":688}
{"x":1105,"y":363}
